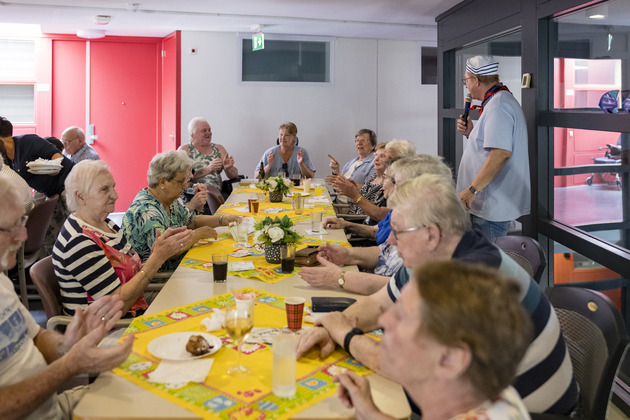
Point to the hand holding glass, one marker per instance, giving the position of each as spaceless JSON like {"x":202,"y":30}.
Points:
{"x":239,"y":321}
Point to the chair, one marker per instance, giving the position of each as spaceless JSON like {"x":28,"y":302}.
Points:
{"x":215,"y":198}
{"x":38,"y":221}
{"x":44,"y":278}
{"x":596,"y":338}
{"x":526,"y":251}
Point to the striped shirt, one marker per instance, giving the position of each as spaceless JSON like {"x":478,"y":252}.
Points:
{"x":81,"y":265}
{"x":545,"y":375}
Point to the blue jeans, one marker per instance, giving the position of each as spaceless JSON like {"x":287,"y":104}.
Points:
{"x":490,"y":229}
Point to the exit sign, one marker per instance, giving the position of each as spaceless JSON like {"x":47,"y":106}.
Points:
{"x":258,"y":42}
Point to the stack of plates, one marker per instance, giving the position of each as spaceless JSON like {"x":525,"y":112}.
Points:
{"x":44,"y":166}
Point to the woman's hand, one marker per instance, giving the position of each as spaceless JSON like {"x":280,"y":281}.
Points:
{"x":300,"y":157}
{"x":354,"y":391}
{"x":346,"y":187}
{"x":334,"y":253}
{"x":325,"y":275}
{"x":198,"y":201}
{"x":270,"y":158}
{"x":335,"y":223}
{"x":334,"y":165}
{"x":171,"y":242}
{"x":229,"y":218}
{"x":205,"y":232}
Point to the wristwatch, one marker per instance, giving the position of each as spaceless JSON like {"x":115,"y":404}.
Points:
{"x":473,"y":190}
{"x":341,"y":281}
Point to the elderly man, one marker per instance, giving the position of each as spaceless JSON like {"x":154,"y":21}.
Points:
{"x":75,"y":147}
{"x":493,"y":178}
{"x":429,"y":223}
{"x":35,"y":363}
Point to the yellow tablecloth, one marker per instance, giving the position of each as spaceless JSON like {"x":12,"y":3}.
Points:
{"x":222,"y":396}
{"x":200,"y":255}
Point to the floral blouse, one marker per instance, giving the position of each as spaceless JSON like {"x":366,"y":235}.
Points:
{"x":199,"y":161}
{"x":145,"y":216}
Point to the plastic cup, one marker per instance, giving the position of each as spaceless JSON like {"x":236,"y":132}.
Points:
{"x":287,"y":255}
{"x":219,"y":267}
{"x":241,"y":232}
{"x":296,"y":178}
{"x":294,"y":306}
{"x":298,"y":203}
{"x":318,"y":188}
{"x":307,"y":185}
{"x":284,"y":370}
{"x":316,"y":221}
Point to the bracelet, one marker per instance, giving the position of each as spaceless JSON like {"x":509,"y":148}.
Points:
{"x":346,"y":341}
{"x":358,"y":199}
{"x":145,"y":275}
{"x":473,"y":190}
{"x":221,"y":220}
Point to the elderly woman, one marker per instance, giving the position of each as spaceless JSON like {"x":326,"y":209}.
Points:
{"x":92,"y":257}
{"x":370,"y":200}
{"x":286,"y":157}
{"x":383,"y":259}
{"x":158,"y":208}
{"x":209,"y":158}
{"x":361,"y":167}
{"x":455,"y":355}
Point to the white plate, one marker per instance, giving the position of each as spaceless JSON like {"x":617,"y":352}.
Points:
{"x":173,"y":346}
{"x":44,"y":171}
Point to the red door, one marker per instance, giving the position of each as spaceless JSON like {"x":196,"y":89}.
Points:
{"x":171,"y":93}
{"x":125,"y":83}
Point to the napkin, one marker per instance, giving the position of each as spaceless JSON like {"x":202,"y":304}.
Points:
{"x":215,"y":322}
{"x":273,"y":210}
{"x":181,"y":372}
{"x":319,"y":200}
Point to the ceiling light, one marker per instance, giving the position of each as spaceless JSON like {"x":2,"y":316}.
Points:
{"x":91,"y":33}
{"x":598,"y":12}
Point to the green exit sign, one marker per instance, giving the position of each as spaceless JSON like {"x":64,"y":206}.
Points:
{"x":258,"y":42}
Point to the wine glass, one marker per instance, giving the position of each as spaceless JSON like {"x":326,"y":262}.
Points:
{"x":239,"y":321}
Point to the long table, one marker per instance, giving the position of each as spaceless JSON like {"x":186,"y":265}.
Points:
{"x":113,"y":397}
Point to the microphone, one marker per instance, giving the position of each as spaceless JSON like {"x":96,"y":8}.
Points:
{"x":467,"y":103}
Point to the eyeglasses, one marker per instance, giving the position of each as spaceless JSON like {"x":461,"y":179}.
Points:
{"x":396,"y":233}
{"x":183,"y":182}
{"x":465,"y":79}
{"x":391,"y":178}
{"x":15,"y":229}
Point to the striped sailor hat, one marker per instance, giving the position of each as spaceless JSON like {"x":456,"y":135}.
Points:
{"x":482,"y":65}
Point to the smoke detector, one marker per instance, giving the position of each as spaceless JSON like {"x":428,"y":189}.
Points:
{"x":102,"y":19}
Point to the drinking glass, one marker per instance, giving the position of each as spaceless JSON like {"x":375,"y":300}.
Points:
{"x":239,"y":321}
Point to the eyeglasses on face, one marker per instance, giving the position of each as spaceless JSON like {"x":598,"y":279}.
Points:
{"x":16,"y":228}
{"x":182,"y":182}
{"x":465,"y":79}
{"x":397,"y":233}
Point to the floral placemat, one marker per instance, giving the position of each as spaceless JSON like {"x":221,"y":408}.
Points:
{"x":222,"y":396}
{"x":267,"y":209}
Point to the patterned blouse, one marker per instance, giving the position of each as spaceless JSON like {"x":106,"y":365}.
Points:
{"x":145,"y":216}
{"x":199,"y":161}
{"x":371,"y":192}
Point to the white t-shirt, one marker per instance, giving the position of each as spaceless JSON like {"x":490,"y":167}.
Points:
{"x":508,"y":406}
{"x":19,"y":358}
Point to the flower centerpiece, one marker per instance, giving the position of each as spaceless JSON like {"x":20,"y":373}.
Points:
{"x":277,"y":187}
{"x":272,"y":234}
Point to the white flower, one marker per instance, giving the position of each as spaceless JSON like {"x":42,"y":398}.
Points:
{"x":275,"y":234}
{"x":272,"y":184}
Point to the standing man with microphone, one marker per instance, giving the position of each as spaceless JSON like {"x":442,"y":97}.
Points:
{"x":493,"y":178}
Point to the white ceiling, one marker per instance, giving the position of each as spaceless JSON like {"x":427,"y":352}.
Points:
{"x":385,"y":19}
